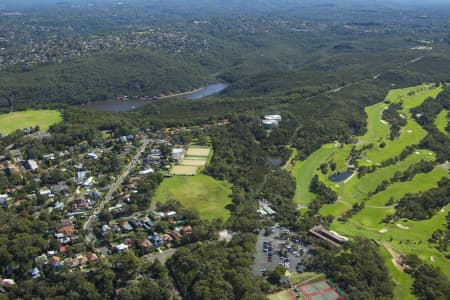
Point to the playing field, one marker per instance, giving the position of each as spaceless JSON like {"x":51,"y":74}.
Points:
{"x":202,"y":193}
{"x":193,"y":151}
{"x":30,"y":118}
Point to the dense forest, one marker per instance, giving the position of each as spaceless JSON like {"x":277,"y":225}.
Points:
{"x":359,"y":270}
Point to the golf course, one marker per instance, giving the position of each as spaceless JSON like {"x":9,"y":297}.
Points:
{"x":30,"y":118}
{"x":379,"y":153}
{"x":441,"y":121}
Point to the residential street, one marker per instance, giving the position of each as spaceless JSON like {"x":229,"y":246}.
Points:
{"x":88,"y":226}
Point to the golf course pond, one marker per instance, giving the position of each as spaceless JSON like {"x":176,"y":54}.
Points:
{"x":341,"y":176}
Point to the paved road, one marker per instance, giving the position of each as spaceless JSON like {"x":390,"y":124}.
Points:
{"x":88,"y":225}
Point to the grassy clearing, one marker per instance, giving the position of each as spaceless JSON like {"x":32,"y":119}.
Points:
{"x":30,"y":118}
{"x":299,"y":278}
{"x":203,"y":193}
{"x":441,"y":121}
{"x":304,"y":172}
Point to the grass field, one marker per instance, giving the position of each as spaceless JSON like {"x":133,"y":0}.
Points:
{"x":203,"y":193}
{"x":441,"y":121}
{"x":30,"y":118}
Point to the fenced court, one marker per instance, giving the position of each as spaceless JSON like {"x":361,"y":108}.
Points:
{"x":193,"y":162}
{"x":184,"y":170}
{"x":196,"y":157}
{"x":195,"y":151}
{"x":321,"y":290}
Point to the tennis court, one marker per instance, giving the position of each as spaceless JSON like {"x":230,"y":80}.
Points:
{"x":193,"y":162}
{"x":198,"y":151}
{"x":184,"y":170}
{"x":330,"y":295}
{"x":320,"y":290}
{"x":315,"y":287}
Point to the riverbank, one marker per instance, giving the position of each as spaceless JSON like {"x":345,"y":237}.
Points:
{"x":126,"y":104}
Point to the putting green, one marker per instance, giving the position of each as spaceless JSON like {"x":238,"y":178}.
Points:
{"x":30,"y":118}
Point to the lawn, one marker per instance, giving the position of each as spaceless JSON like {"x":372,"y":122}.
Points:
{"x":30,"y":118}
{"x":304,"y":172}
{"x":202,"y":193}
{"x":441,"y":121}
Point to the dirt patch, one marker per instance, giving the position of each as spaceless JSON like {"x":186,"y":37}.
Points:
{"x":396,"y":258}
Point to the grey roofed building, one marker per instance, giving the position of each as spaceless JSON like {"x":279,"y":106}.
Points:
{"x":32,"y":165}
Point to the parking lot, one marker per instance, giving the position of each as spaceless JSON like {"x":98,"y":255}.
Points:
{"x":275,"y":240}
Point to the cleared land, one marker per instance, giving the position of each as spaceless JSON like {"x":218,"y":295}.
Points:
{"x":202,"y":193}
{"x":30,"y":118}
{"x":441,"y":121}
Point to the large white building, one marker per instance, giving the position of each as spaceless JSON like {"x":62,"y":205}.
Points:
{"x":271,"y":121}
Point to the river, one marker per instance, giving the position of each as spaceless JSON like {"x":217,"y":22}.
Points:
{"x":116,"y":105}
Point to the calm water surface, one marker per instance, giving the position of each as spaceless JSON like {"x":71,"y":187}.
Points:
{"x":116,"y":105}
